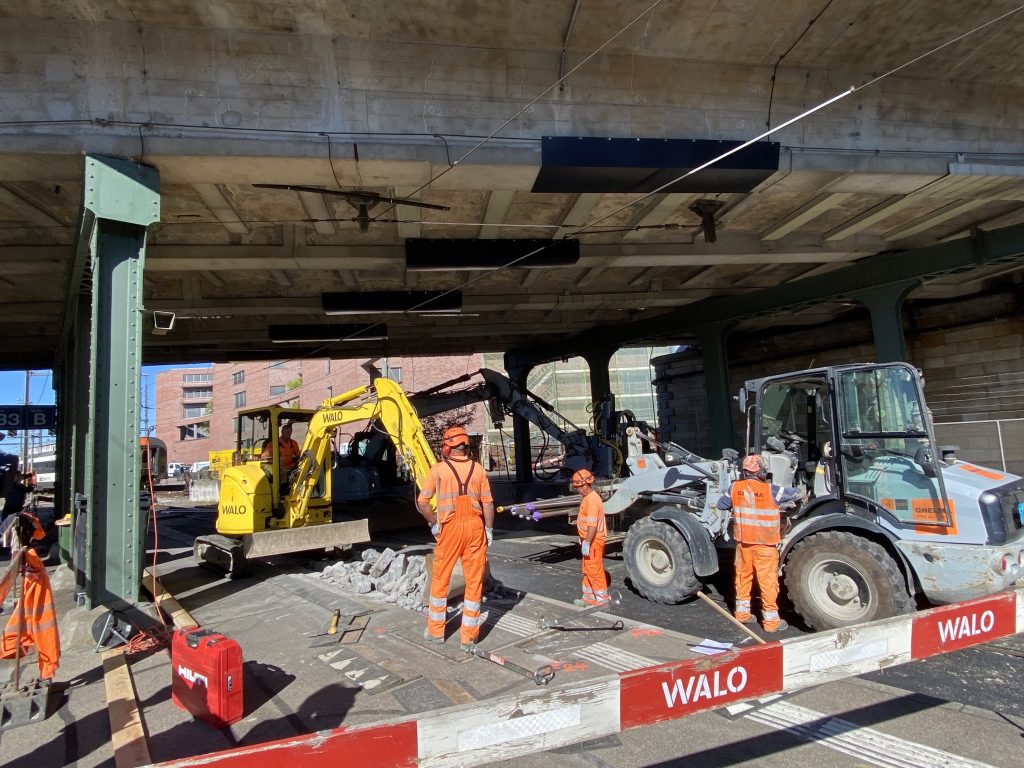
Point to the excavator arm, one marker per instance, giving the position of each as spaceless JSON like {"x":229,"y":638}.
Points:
{"x":383,"y":403}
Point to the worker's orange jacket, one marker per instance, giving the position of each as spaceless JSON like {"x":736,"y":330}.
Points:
{"x":592,"y":516}
{"x":40,"y":620}
{"x":754,"y":512}
{"x":442,"y":480}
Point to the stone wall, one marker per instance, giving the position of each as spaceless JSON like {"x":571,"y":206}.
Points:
{"x":971,"y":351}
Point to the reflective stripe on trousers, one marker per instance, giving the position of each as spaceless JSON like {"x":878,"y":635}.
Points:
{"x":462,"y":538}
{"x":762,"y":561}
{"x":595,"y":583}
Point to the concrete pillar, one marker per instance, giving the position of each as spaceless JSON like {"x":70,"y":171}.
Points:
{"x":886,"y":307}
{"x":712,"y":338}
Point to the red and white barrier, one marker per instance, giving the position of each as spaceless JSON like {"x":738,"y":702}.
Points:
{"x":533,"y":721}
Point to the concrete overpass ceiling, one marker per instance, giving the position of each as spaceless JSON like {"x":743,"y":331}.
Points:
{"x":382,"y":97}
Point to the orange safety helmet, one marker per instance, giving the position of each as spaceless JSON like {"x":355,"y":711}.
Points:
{"x":752,"y":463}
{"x":582,"y":477}
{"x":454,"y":437}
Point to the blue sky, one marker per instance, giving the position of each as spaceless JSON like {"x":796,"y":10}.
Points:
{"x":12,"y":392}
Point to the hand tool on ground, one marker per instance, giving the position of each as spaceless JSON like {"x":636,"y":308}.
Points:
{"x":332,"y":635}
{"x":729,"y":616}
{"x":614,"y":598}
{"x":541,"y":676}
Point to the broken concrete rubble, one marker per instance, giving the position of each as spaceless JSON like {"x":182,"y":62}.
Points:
{"x":394,"y":577}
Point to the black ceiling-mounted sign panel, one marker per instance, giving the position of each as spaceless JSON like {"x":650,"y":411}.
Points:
{"x":589,"y":164}
{"x":434,"y":255}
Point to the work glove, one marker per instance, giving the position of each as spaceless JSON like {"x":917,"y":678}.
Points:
{"x":489,"y":533}
{"x":436,"y":529}
{"x":585,"y":548}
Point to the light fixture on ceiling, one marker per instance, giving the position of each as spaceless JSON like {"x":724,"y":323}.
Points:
{"x":377,"y":302}
{"x":314,"y":333}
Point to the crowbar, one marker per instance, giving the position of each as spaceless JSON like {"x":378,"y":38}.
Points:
{"x":541,"y":676}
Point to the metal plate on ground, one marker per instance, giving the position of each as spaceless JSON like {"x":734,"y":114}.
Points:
{"x":360,"y":673}
{"x":421,"y":696}
{"x":311,"y":591}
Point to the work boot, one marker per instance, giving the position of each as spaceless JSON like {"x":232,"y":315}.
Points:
{"x":783,"y":624}
{"x":467,"y":647}
{"x":431,"y":639}
{"x":579,"y":601}
{"x":748,"y":620}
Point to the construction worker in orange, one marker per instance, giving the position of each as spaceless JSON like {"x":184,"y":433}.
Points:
{"x":463,"y":525}
{"x":756,"y":529}
{"x":593,"y":531}
{"x":287,"y":449}
{"x":33,"y":620}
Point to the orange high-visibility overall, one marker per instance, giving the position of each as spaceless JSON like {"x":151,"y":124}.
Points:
{"x":756,"y":530}
{"x":595,"y":583}
{"x":462,"y":489}
{"x":40,"y":624}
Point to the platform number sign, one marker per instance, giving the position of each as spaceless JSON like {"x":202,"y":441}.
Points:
{"x":18,"y":417}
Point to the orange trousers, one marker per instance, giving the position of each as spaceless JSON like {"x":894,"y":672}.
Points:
{"x":761,"y":560}
{"x":462,"y":538}
{"x":595,"y":583}
{"x":40,"y":624}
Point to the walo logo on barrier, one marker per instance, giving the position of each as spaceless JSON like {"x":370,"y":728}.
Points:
{"x":703,"y":686}
{"x":962,"y":625}
{"x":970,"y":625}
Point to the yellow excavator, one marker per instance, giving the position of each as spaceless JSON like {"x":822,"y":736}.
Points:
{"x":266,"y":510}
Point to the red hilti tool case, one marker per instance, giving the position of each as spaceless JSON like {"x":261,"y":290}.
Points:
{"x":206,"y":676}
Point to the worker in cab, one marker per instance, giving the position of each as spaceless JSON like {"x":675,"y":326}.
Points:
{"x":287,"y":450}
{"x":757,"y":530}
{"x":593,"y":532}
{"x":463,"y":525}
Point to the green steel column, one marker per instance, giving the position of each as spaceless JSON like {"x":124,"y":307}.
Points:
{"x":712,"y":338}
{"x":120,"y":200}
{"x":518,"y":369}
{"x":886,"y":307}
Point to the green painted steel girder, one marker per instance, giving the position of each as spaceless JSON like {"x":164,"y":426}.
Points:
{"x":98,"y":376}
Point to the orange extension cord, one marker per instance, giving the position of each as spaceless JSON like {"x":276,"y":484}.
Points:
{"x":155,"y":638}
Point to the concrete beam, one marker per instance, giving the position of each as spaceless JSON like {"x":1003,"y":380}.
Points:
{"x":316,"y":208}
{"x":498,"y":203}
{"x":578,"y":213}
{"x":808,"y":212}
{"x":213,"y":198}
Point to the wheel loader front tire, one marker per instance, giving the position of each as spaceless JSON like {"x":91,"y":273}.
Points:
{"x":837,"y":578}
{"x":659,"y":562}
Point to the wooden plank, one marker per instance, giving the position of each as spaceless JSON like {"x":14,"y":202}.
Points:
{"x":180,"y":618}
{"x":127,"y":728}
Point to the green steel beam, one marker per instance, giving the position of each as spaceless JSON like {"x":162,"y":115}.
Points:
{"x":713,"y":340}
{"x":102,"y":335}
{"x":886,"y":307}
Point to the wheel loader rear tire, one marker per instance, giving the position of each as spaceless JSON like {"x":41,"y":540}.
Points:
{"x":659,"y":562}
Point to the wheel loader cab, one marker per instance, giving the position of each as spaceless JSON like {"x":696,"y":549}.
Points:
{"x":885,"y":446}
{"x":793,"y":425}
